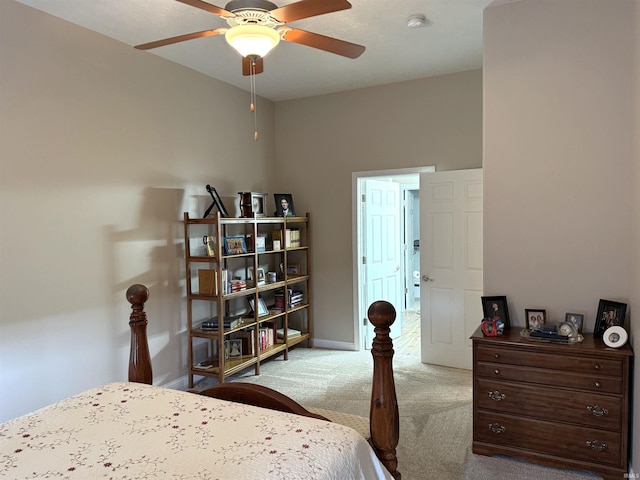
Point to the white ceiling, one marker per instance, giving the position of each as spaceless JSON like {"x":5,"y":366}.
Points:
{"x":451,"y":42}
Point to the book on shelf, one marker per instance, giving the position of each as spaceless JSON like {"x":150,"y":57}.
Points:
{"x":294,"y":298}
{"x":248,"y":339}
{"x":291,"y":333}
{"x":208,"y":364}
{"x":266,"y":337}
{"x":291,"y":237}
{"x":225,"y":280}
{"x":272,"y":327}
{"x":238,"y":285}
{"x":229,"y":322}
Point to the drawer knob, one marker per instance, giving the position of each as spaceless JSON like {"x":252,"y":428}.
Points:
{"x":497,"y":428}
{"x":596,"y":445}
{"x":496,"y":355}
{"x":597,"y":410}
{"x":597,"y":384}
{"x":596,"y":366}
{"x":496,"y":371}
{"x":497,"y":396}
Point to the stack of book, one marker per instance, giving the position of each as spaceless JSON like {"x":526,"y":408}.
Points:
{"x":291,"y":333}
{"x":228,"y":323}
{"x":294,"y":298}
{"x":238,"y":285}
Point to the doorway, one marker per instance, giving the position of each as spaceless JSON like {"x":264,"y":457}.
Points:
{"x":386,"y":250}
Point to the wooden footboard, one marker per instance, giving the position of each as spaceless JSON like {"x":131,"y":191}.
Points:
{"x":383,"y":415}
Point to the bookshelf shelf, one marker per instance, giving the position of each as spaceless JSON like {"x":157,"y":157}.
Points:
{"x":286,"y":294}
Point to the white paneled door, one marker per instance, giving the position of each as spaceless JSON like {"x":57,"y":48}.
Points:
{"x":382,"y":247}
{"x":450,"y":265}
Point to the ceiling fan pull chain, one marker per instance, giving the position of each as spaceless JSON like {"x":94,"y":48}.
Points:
{"x":252,"y":76}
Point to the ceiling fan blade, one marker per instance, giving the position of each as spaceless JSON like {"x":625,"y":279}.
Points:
{"x":328,"y":44}
{"x":308,"y":8}
{"x":246,"y":66}
{"x":221,"y":12}
{"x":180,"y":38}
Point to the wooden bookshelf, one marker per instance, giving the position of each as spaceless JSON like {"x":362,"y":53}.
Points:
{"x":291,"y":265}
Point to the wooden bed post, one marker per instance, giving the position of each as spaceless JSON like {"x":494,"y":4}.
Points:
{"x":383,"y":417}
{"x":139,"y":358}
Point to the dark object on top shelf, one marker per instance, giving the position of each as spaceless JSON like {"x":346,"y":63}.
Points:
{"x":217,"y":202}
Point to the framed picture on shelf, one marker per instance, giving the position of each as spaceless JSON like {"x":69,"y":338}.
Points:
{"x":535,"y":318}
{"x":493,"y":307}
{"x":293,"y":269}
{"x":217,"y":202}
{"x":262,"y":307}
{"x":235,"y":245}
{"x":284,"y":205}
{"x":610,"y":314}
{"x":575,"y":319}
{"x":253,"y":204}
{"x":234,"y":348}
{"x":261,"y":277}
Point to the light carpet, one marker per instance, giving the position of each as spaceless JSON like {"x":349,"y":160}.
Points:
{"x":435,"y":406}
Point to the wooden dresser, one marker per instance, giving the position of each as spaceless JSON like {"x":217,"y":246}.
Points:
{"x":560,"y":405}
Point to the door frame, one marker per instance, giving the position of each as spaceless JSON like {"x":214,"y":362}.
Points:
{"x":360,"y":310}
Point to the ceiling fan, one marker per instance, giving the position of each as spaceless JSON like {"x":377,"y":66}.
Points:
{"x":256,"y":26}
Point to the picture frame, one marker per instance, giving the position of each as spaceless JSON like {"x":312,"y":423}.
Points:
{"x":575,"y":319}
{"x":262,"y":307}
{"x":217,"y":202}
{"x":253,"y":204}
{"x":233,"y":348}
{"x":235,"y":245}
{"x":536,"y":317}
{"x":284,"y":205}
{"x":496,"y":306}
{"x":293,"y":269}
{"x":610,"y":314}
{"x":260,"y":276}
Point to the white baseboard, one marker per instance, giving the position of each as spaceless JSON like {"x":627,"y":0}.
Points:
{"x":333,"y":345}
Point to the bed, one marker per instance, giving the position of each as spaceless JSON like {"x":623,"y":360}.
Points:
{"x":235,"y":430}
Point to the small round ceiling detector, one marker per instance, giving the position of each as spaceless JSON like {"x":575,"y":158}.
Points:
{"x":416,"y":20}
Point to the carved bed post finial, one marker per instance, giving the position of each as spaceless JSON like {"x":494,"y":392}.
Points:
{"x":384,"y":419}
{"x":139,"y":358}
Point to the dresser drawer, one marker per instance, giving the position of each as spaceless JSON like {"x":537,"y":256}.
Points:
{"x":590,"y":382}
{"x":567,"y":363}
{"x":562,"y":440}
{"x":548,"y":403}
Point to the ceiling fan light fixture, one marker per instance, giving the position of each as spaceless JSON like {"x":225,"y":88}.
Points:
{"x":255,"y":40}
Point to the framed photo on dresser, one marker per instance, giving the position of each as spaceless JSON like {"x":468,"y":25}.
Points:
{"x":493,"y":307}
{"x":610,"y":314}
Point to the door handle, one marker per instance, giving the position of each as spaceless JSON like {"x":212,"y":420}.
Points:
{"x":426,"y":278}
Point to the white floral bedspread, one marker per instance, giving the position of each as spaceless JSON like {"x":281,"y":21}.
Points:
{"x":136,"y":431}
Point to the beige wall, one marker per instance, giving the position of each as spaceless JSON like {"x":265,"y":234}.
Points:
{"x":322,"y":140}
{"x":561,"y":222}
{"x":635,"y":238}
{"x":102,"y":147}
